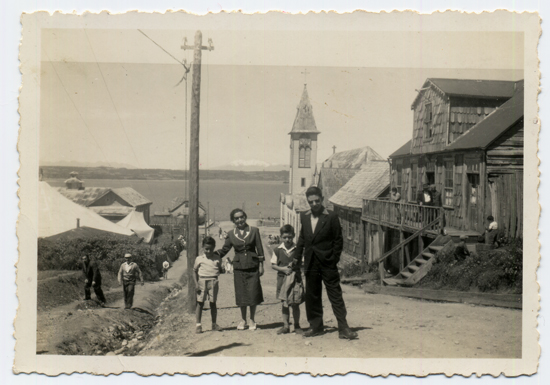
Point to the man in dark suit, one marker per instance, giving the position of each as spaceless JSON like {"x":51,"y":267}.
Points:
{"x":321,"y":243}
{"x":92,"y":279}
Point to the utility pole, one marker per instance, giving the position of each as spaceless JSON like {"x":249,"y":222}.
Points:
{"x":193,"y":239}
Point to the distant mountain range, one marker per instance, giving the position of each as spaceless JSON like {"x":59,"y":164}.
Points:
{"x":251,"y":165}
{"x":88,"y":164}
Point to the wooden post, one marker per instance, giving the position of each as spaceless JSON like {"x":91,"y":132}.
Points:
{"x":381,"y":269}
{"x":193,"y":227}
{"x":401,"y":251}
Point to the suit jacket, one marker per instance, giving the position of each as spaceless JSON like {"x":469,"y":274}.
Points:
{"x":249,"y":251}
{"x":92,"y":273}
{"x":326,"y":243}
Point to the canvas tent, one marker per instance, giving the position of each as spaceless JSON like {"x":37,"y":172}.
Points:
{"x":136,"y":222}
{"x":57,"y":214}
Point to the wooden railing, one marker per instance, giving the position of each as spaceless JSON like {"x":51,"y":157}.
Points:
{"x":402,"y":214}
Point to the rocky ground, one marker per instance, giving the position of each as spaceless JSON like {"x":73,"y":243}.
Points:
{"x":387,"y":326}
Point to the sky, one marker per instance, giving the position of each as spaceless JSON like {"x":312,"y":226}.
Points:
{"x":111,"y":96}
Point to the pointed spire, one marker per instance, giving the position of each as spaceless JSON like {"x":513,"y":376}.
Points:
{"x":304,"y":121}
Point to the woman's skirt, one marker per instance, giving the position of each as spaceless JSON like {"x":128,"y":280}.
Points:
{"x":248,"y":289}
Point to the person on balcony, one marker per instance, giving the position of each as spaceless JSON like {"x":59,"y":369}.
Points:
{"x":424,"y":197}
{"x":396,"y":197}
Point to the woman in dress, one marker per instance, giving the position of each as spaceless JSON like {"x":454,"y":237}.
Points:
{"x":248,"y":265}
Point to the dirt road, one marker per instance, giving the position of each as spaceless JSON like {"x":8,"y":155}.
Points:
{"x":387,"y":326}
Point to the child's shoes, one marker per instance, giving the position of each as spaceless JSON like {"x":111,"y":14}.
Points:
{"x":216,"y":328}
{"x":283,"y":330}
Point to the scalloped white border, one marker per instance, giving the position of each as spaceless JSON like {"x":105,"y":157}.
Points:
{"x":26,"y":360}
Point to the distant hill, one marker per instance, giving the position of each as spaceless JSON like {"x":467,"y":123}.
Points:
{"x":87,"y":164}
{"x":251,"y":165}
{"x":60,"y":172}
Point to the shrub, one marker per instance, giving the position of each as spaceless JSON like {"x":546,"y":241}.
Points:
{"x":108,"y":251}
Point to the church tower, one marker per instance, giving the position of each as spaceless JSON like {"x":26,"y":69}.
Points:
{"x":303,"y":146}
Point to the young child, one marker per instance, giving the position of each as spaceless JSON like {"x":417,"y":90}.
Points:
{"x":165,"y":267}
{"x":208,"y":268}
{"x":281,"y":261}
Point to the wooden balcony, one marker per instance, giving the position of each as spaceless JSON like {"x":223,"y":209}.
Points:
{"x":407,"y":216}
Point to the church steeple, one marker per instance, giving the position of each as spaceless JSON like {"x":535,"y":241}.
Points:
{"x":303,"y":146}
{"x":304,"y":121}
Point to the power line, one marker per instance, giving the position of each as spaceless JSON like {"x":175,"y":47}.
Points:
{"x":77,"y":110}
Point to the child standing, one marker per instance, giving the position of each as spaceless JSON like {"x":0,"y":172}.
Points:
{"x":281,"y":261}
{"x":165,"y":267}
{"x":207,"y":268}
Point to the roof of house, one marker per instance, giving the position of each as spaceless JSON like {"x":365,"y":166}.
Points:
{"x":355,"y":158}
{"x":86,"y":196}
{"x":177,"y":202}
{"x":114,"y":210}
{"x":304,"y":121}
{"x":403,"y":150}
{"x":369,"y":182}
{"x":471,"y":88}
{"x":333,"y":179}
{"x":131,"y":196}
{"x":489,"y":129}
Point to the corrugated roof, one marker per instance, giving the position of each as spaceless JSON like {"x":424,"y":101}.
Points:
{"x":355,"y":158}
{"x":178,"y":201}
{"x":304,"y":121}
{"x":131,"y":196}
{"x":86,"y":196}
{"x":333,"y":179}
{"x":370,"y":182}
{"x":403,"y":150}
{"x":485,"y":132}
{"x":471,"y":88}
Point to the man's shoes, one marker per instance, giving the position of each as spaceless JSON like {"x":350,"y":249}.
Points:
{"x":298,"y":330}
{"x":347,"y":334}
{"x":102,"y":304}
{"x":283,"y":330}
{"x":198,"y":330}
{"x":314,"y":332}
{"x":216,"y":328}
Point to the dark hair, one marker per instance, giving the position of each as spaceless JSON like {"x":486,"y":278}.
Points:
{"x":314,"y":190}
{"x":235,"y":211}
{"x":490,"y":218}
{"x":208,"y":241}
{"x":393,"y":189}
{"x":287,"y":229}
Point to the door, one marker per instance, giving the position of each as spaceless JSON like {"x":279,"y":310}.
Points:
{"x":473,"y":202}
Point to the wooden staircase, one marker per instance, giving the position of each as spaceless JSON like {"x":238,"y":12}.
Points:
{"x":418,"y":267}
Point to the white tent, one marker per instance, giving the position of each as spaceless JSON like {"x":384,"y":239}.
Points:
{"x":136,"y":222}
{"x":57,"y":214}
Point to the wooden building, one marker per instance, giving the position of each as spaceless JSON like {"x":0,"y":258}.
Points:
{"x":371,"y":182}
{"x":111,"y":203}
{"x":467,"y":140}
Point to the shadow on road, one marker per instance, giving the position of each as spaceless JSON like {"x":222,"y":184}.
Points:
{"x":216,"y":350}
{"x":356,"y":329}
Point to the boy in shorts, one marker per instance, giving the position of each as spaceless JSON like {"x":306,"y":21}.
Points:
{"x":281,"y":261}
{"x":207,"y":268}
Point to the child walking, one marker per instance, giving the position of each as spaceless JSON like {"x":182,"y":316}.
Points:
{"x":281,"y":261}
{"x":207,"y":268}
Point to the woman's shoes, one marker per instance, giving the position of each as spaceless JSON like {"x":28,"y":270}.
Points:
{"x":253,"y":326}
{"x":242,"y":325}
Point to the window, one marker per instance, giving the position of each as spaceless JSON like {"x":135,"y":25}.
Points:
{"x":305,"y":157}
{"x":448,"y":183}
{"x":357,"y":227}
{"x":303,"y":182}
{"x":414,"y":180}
{"x":428,"y":127}
{"x":350,"y":225}
{"x":459,"y":162}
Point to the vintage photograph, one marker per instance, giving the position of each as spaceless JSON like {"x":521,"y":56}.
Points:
{"x":222,"y":187}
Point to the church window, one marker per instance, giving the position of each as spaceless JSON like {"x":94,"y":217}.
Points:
{"x":305,"y":157}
